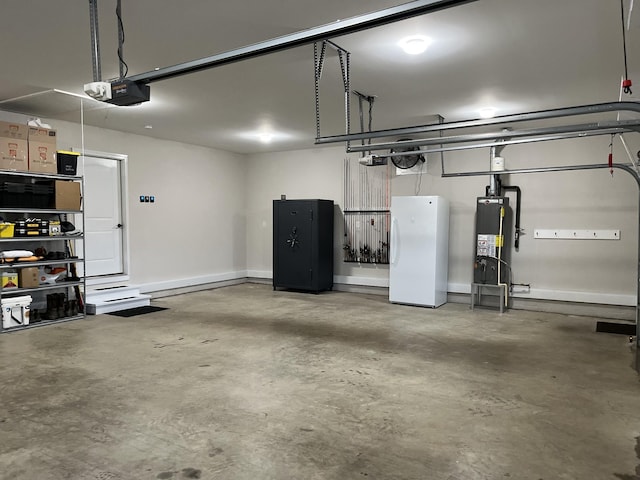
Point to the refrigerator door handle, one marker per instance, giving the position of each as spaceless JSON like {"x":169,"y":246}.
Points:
{"x":394,"y":240}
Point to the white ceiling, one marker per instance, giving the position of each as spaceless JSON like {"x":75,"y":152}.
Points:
{"x":514,"y":55}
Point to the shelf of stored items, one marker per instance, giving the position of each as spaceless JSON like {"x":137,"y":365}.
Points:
{"x":48,"y":211}
{"x":44,"y":238}
{"x":52,"y":286}
{"x":39,"y":263}
{"x":47,"y":176}
{"x":42,"y":323}
{"x":49,"y":240}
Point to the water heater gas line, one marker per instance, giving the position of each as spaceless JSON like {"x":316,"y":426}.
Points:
{"x":500,"y":245}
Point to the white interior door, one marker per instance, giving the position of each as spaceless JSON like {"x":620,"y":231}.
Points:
{"x":103,"y":216}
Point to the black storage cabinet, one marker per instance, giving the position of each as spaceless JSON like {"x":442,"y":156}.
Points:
{"x":303,"y":244}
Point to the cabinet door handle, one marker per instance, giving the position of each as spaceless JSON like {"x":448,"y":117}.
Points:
{"x":393,"y":247}
{"x":119,"y":225}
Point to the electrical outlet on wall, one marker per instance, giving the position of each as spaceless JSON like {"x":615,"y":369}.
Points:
{"x":521,"y":288}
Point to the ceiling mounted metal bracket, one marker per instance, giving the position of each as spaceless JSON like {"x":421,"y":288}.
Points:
{"x":318,"y":64}
{"x":319,"y":55}
{"x":370,"y":99}
{"x":95,"y":41}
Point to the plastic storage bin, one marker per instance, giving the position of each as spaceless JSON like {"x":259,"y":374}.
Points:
{"x":15,"y":311}
{"x":67,"y":162}
{"x":14,"y":195}
{"x":6,"y":229}
{"x":42,"y":195}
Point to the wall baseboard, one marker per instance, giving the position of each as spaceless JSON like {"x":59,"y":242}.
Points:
{"x":362,"y":281}
{"x":266,"y":274}
{"x":196,"y":288}
{"x":193,"y":283}
{"x":465,"y":288}
{"x":565,"y":302}
{"x":611,"y":312}
{"x":560,"y":295}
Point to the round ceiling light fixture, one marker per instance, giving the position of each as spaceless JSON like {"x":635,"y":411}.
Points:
{"x":415,"y":44}
{"x":488,"y":112}
{"x":265,"y":137}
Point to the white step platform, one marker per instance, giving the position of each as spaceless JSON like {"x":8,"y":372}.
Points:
{"x":113,"y":299}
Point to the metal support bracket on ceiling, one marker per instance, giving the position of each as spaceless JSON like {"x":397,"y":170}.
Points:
{"x":318,"y":64}
{"x":319,"y":55}
{"x":121,"y":62}
{"x":370,"y":99}
{"x":345,"y":68}
{"x":95,"y":41}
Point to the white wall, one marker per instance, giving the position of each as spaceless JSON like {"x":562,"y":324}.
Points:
{"x":314,"y":173}
{"x":215,"y":208}
{"x":571,"y":270}
{"x":195,"y":231}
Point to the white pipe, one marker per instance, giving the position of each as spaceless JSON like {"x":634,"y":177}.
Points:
{"x":493,"y":184}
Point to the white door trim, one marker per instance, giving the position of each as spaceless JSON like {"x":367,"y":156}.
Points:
{"x":124,"y":189}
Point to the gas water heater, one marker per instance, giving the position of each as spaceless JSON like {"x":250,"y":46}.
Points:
{"x":493,"y":234}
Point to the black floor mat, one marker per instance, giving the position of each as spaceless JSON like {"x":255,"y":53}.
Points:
{"x":619,"y":328}
{"x":132,"y":312}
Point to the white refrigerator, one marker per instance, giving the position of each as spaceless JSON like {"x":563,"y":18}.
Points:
{"x":419,"y":255}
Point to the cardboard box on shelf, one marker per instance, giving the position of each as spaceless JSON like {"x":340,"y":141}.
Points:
{"x":13,"y":146}
{"x":28,"y":277}
{"x":42,"y":150}
{"x":67,"y":195}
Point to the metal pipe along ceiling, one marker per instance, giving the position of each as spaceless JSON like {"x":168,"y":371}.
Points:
{"x":624,"y":125}
{"x":501,"y":120}
{"x":541,"y":138}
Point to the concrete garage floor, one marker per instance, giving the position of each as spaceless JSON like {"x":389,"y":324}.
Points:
{"x":246,"y":383}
